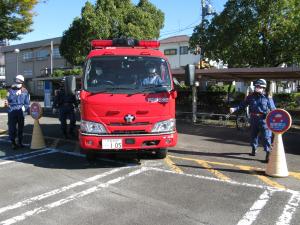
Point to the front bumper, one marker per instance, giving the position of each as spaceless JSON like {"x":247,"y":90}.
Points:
{"x":129,"y":142}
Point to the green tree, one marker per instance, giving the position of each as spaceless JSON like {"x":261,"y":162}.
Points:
{"x":15,"y":18}
{"x":256,"y":33}
{"x":108,"y":19}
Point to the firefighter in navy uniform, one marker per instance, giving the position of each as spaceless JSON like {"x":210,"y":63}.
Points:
{"x":66,"y":105}
{"x":259,"y":106}
{"x":18,"y":102}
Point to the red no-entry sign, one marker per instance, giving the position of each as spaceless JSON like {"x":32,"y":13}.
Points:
{"x":279,"y":121}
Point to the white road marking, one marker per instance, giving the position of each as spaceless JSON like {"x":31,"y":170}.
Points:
{"x":250,"y":217}
{"x":22,"y":157}
{"x":289,"y":210}
{"x":70,"y":198}
{"x":59,"y":190}
{"x":227,"y":181}
{"x":256,"y":208}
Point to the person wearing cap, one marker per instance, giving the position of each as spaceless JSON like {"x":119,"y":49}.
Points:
{"x":153,"y":77}
{"x":66,"y":105}
{"x":18,"y":101}
{"x":259,"y":106}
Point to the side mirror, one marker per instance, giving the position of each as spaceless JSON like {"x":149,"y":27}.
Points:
{"x":189,"y":74}
{"x":70,"y":85}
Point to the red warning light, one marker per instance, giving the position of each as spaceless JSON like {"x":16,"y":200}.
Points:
{"x":149,"y":44}
{"x":101,"y":43}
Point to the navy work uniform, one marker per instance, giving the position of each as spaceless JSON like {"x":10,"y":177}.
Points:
{"x":18,"y":105}
{"x":259,"y":106}
{"x":65,"y":104}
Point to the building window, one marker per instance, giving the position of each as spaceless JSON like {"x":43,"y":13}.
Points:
{"x":40,"y":85}
{"x":27,"y":56}
{"x":184,"y":50}
{"x":170,"y":51}
{"x":27,"y":73}
{"x":42,"y":54}
{"x":2,"y":71}
{"x":56,"y":53}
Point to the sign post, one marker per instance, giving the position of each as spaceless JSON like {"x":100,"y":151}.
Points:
{"x":37,"y":141}
{"x":278,"y":121}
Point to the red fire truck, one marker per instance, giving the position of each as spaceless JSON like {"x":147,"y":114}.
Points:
{"x":127,"y":99}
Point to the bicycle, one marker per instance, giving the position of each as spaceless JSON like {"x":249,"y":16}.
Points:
{"x":242,"y":120}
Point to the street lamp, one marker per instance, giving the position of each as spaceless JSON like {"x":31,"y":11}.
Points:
{"x":17,"y":51}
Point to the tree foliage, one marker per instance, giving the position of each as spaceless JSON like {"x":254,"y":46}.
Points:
{"x":252,"y":33}
{"x":108,"y":19}
{"x":15,"y":18}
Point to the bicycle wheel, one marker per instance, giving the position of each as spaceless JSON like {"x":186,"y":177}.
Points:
{"x":242,"y":122}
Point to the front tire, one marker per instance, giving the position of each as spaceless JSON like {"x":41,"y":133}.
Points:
{"x":161,"y":153}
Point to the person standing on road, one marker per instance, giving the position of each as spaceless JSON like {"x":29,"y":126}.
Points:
{"x":259,"y":106}
{"x":66,"y":105}
{"x":18,"y":102}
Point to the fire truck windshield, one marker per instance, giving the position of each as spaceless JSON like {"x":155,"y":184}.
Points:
{"x":126,"y":74}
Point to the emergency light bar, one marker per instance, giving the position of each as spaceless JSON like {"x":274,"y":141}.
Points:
{"x":122,"y":42}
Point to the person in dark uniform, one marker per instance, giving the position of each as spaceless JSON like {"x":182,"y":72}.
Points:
{"x":66,"y":105}
{"x":18,"y":102}
{"x":259,"y":106}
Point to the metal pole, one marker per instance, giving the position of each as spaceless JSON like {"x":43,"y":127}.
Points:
{"x":51,"y":58}
{"x":17,"y":63}
{"x":194,"y":103}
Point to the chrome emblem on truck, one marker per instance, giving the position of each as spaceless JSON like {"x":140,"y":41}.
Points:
{"x":129,"y":118}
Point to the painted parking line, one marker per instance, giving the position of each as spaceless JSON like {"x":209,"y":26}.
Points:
{"x":256,"y":208}
{"x":172,"y":165}
{"x":263,"y":178}
{"x":60,"y":190}
{"x":216,"y":173}
{"x":25,"y":156}
{"x":252,"y":170}
{"x":70,"y":198}
{"x":288,"y":211}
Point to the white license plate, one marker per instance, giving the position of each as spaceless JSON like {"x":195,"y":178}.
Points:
{"x":111,"y":143}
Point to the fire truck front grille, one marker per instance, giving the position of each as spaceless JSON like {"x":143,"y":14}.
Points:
{"x":130,"y":124}
{"x":129,"y":132}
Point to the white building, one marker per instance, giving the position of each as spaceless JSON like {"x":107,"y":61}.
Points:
{"x":177,"y":51}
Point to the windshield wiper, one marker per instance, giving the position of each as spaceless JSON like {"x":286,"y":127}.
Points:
{"x":153,"y":88}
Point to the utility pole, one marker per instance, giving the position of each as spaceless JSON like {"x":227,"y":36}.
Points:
{"x":51,"y":58}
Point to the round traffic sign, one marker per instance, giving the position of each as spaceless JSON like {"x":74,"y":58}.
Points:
{"x":36,"y":111}
{"x":279,"y":121}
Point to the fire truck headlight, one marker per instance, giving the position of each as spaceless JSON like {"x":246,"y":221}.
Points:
{"x":92,"y":127}
{"x":164,"y":126}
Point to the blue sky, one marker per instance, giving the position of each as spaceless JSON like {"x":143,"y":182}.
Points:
{"x":55,"y":16}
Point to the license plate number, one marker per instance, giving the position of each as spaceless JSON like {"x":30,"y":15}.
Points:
{"x":112,"y":144}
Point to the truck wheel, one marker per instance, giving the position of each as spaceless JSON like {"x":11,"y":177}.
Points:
{"x":91,"y":157}
{"x":161,"y":153}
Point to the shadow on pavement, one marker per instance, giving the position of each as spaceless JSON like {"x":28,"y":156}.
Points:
{"x":230,"y":155}
{"x":231,"y":136}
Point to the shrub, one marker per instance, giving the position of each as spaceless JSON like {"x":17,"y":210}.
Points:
{"x":289,"y":101}
{"x":3,"y":93}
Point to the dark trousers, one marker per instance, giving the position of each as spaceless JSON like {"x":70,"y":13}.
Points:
{"x":16,"y":124}
{"x":258,"y":125}
{"x":64,"y":114}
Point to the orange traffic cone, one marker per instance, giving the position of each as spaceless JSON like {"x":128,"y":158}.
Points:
{"x":37,"y":141}
{"x":277,"y":166}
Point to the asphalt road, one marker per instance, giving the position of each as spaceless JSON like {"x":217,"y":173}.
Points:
{"x":208,"y":178}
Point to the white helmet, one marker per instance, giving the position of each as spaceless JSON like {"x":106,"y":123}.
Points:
{"x":261,"y":83}
{"x":19,"y":79}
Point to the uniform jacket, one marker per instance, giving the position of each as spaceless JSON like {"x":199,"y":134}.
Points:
{"x":18,"y":99}
{"x":61,"y":100}
{"x":258,"y":104}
